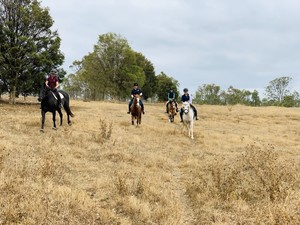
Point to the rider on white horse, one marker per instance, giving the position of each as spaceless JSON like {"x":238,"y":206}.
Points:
{"x":186,"y":98}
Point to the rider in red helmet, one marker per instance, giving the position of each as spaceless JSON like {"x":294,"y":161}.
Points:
{"x":52,"y":83}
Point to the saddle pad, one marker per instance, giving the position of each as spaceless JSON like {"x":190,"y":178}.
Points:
{"x":61,"y":95}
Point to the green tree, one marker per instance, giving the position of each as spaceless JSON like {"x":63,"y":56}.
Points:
{"x":255,"y":99}
{"x":164,"y":83}
{"x":235,"y":96}
{"x":292,"y":100}
{"x":278,"y":89}
{"x":28,"y":47}
{"x":112,"y":68}
{"x":150,"y":87}
{"x":208,"y":94}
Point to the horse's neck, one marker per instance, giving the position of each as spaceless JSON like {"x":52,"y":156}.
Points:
{"x":191,"y":114}
{"x":171,"y":106}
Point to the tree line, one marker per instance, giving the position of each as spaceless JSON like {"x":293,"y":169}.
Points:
{"x":111,"y":69}
{"x":277,"y":92}
{"x":29,"y":49}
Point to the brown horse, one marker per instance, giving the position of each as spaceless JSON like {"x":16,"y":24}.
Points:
{"x":171,"y":111}
{"x":136,"y":110}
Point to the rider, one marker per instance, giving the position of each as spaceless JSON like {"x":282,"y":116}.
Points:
{"x":171,"y":97}
{"x":52,"y":83}
{"x":186,"y":98}
{"x":135,"y":91}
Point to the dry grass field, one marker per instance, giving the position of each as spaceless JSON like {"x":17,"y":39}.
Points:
{"x":241,"y":168}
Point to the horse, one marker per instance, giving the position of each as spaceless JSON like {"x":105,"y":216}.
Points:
{"x":49,"y":104}
{"x":136,"y":110}
{"x":171,"y":110}
{"x":188,"y":118}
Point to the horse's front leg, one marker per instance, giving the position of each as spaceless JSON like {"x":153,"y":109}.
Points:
{"x":60,"y":116}
{"x":191,"y":131}
{"x":54,"y":118}
{"x":132,"y":120}
{"x":43,"y":120}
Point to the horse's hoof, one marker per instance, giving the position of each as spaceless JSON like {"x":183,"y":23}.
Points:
{"x":54,"y":128}
{"x":42,"y":130}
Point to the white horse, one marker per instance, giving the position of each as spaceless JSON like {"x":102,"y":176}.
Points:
{"x":188,"y":118}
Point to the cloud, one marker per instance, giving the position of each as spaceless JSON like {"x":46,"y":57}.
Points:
{"x":241,"y":43}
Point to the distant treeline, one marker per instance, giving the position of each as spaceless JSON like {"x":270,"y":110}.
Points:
{"x":29,"y":49}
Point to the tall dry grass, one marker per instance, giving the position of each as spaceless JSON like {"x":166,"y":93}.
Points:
{"x":241,"y":168}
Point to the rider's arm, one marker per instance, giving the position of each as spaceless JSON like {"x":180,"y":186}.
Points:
{"x":57,"y":84}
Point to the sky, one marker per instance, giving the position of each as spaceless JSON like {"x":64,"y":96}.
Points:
{"x":240,"y":43}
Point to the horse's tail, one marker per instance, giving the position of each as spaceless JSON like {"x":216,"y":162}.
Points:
{"x":66,"y":105}
{"x":68,"y":110}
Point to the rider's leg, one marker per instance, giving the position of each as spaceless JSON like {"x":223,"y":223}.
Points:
{"x":195,"y":111}
{"x":167,"y":106}
{"x":58,"y":98}
{"x":129,"y":105}
{"x":142,"y":105}
{"x":181,"y":112}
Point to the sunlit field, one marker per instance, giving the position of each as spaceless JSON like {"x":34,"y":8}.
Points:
{"x":241,"y":168}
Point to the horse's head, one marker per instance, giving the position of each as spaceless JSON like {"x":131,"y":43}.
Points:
{"x":136,"y":99}
{"x":186,"y":107}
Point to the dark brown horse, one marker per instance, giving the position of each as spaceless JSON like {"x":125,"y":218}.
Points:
{"x":49,"y":104}
{"x":171,"y":111}
{"x":136,"y":110}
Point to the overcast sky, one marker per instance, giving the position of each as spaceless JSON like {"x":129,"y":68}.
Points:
{"x":243,"y":43}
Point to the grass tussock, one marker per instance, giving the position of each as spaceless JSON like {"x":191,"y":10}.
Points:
{"x":255,"y":187}
{"x":241,"y":168}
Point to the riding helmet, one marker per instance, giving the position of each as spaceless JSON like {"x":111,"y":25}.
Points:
{"x":135,"y":84}
{"x":185,"y":90}
{"x":54,"y":71}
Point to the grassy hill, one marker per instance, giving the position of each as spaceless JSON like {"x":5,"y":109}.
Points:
{"x":241,"y":168}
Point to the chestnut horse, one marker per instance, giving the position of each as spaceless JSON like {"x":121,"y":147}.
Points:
{"x":171,"y":111}
{"x":136,"y":110}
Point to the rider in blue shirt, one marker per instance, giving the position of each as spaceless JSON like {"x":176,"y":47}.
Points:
{"x":186,"y":98}
{"x":135,"y":91}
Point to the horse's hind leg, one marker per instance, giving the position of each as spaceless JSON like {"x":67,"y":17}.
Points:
{"x":43,"y":121}
{"x":69,"y":121}
{"x":54,"y":118}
